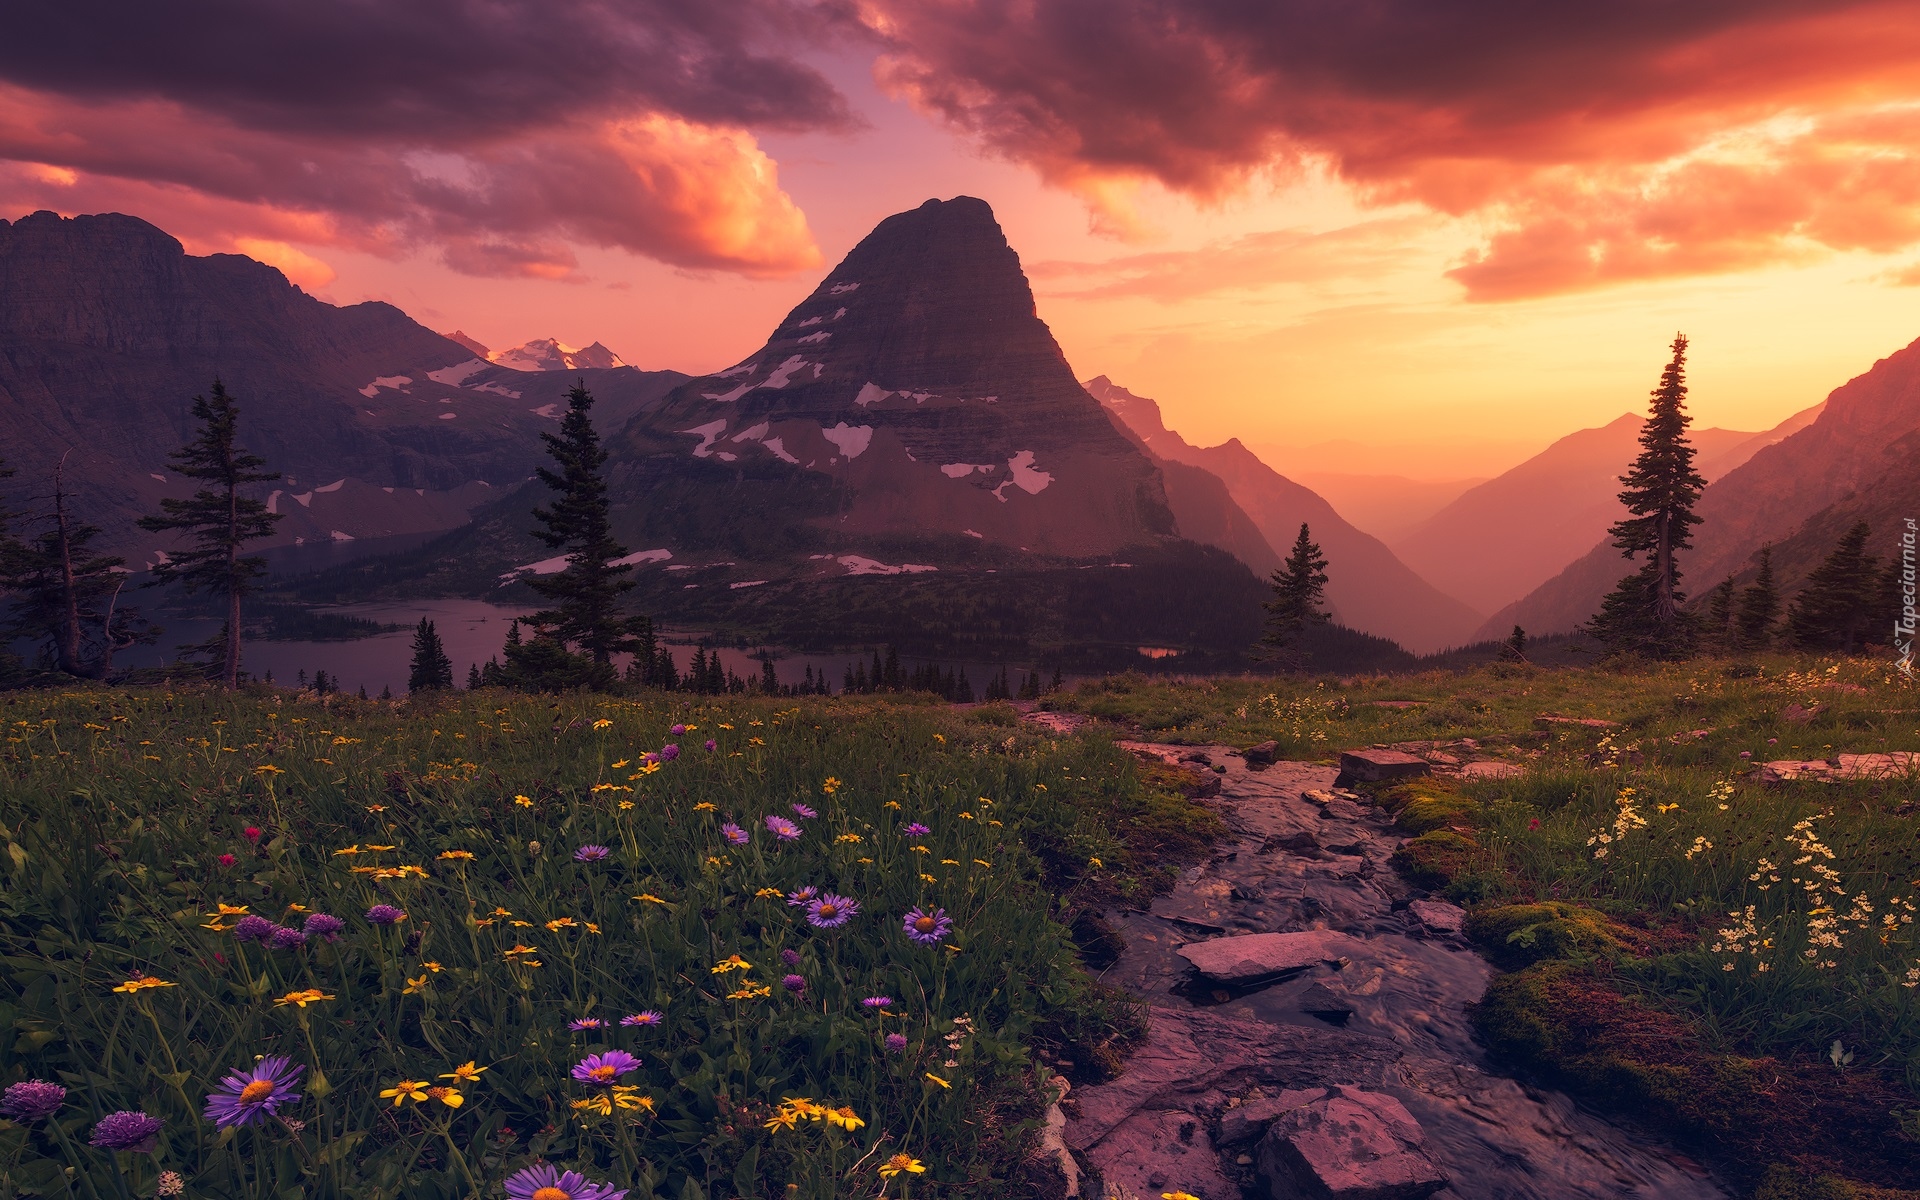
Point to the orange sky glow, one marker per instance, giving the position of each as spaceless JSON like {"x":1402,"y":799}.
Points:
{"x":1408,"y":249}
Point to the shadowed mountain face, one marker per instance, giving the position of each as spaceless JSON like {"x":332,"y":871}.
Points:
{"x":1367,"y":587}
{"x":1857,"y":438}
{"x":1505,"y":537}
{"x":918,"y":395}
{"x":108,"y":329}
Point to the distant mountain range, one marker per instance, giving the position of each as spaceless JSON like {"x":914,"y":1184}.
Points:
{"x":1503,"y":538}
{"x":381,"y":426}
{"x":1848,"y":458}
{"x":1367,"y":587}
{"x":543,"y":354}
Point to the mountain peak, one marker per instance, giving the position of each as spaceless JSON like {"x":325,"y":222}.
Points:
{"x":551,"y":354}
{"x":920,"y":373}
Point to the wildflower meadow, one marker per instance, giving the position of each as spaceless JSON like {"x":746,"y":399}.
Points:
{"x":255,"y":946}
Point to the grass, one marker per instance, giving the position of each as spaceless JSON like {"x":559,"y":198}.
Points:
{"x":1735,"y":961}
{"x":139,"y":827}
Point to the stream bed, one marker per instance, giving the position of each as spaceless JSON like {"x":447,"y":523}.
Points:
{"x":1184,"y":1114}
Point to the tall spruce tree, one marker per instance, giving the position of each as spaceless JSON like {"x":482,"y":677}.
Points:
{"x":217,"y":520}
{"x":1840,"y":607}
{"x":584,"y":598}
{"x":1643,"y":615}
{"x":432,"y":670}
{"x":1299,"y":590}
{"x":65,"y":595}
{"x":1719,"y":627}
{"x":1759,"y":608}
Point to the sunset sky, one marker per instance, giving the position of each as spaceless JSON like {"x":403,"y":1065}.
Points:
{"x":1444,"y":234}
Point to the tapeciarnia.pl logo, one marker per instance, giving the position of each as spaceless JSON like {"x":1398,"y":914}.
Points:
{"x":1903,"y":625}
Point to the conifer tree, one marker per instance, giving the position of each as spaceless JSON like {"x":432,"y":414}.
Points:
{"x":1838,"y":610}
{"x":1759,"y":608}
{"x":473,"y":677}
{"x":585,"y":597}
{"x":431,"y":670}
{"x":1719,"y":629}
{"x":1643,"y":614}
{"x":217,"y":520}
{"x":1516,"y":644}
{"x":1299,"y":590}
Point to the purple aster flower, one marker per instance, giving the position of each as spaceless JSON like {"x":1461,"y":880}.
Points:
{"x":916,"y":830}
{"x":782,"y":828}
{"x":246,"y":1096}
{"x":283,"y":938}
{"x":790,"y":957}
{"x":877,"y":1002}
{"x":800,"y":898}
{"x":542,"y":1181}
{"x":802,"y":811}
{"x":712,"y":745}
{"x":586,"y":1023}
{"x":603,"y":1069}
{"x":650,"y":1018}
{"x":896,"y":1043}
{"x":928,"y":926}
{"x":831,"y":911}
{"x":385,"y":914}
{"x":677,"y":730}
{"x":320,"y":925}
{"x":591,"y":853}
{"x":32,"y":1100}
{"x":735,"y":835}
{"x":794,"y":983}
{"x":135,"y":1131}
{"x":669,"y":752}
{"x":253,"y":929}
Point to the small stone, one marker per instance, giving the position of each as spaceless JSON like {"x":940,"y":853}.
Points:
{"x":1374,"y":766}
{"x":1244,"y":1160}
{"x":1261,"y":755}
{"x":1439,"y":917}
{"x":1794,"y":714}
{"x":1319,"y":1000}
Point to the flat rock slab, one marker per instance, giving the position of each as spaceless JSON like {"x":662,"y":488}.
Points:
{"x":1252,"y":957}
{"x":1059,"y":722}
{"x":1842,"y":768}
{"x":1351,"y":1144}
{"x":1374,"y":766}
{"x":1437,"y":916}
{"x":1190,"y":1052}
{"x":1549,"y":720}
{"x":1152,"y":1153}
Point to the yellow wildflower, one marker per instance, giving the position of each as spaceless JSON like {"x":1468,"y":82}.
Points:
{"x":372,"y":847}
{"x":447,"y":1096}
{"x":592,"y":928}
{"x":936,"y":1079}
{"x":919,"y":849}
{"x":732,"y":962}
{"x":603,"y":723}
{"x":1178,"y":1196}
{"x":406,"y":1089}
{"x":228,"y":910}
{"x":414,"y":986}
{"x":456,"y":856}
{"x":142,"y":984}
{"x":848,"y":837}
{"x":466,"y":1072}
{"x":893,"y":804}
{"x":706,"y":806}
{"x":783,"y":1119}
{"x":928,"y":878}
{"x":305,"y":997}
{"x":749,"y":992}
{"x":559,"y":923}
{"x":650,"y":898}
{"x":905,"y":1162}
{"x":1095,"y":863}
{"x":843,"y":1118}
{"x":830,"y":785}
{"x":523,"y":801}
{"x":764,"y":893}
{"x":616,"y":766}
{"x":983,"y":862}
{"x":353,"y":849}
{"x":435,"y":967}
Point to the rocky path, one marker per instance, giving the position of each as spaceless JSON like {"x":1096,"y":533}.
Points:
{"x":1337,"y":1059}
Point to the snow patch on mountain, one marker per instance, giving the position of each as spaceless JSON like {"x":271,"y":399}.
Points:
{"x":822,"y":336}
{"x":859,"y":565}
{"x":496,"y":389}
{"x":779,"y":450}
{"x":642,"y":556}
{"x":706,"y":433}
{"x":335,"y":486}
{"x":962,"y":470}
{"x":752,"y":433}
{"x":550,"y":411}
{"x":871,"y":394}
{"x":1026,"y":476}
{"x":784,"y":372}
{"x":396,"y":382}
{"x":729,"y":397}
{"x":457,"y":374}
{"x":841,"y":289}
{"x":852,"y":440}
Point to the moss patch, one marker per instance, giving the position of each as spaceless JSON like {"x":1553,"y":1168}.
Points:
{"x":1519,"y":935}
{"x":1566,"y":1022}
{"x":1432,"y":860}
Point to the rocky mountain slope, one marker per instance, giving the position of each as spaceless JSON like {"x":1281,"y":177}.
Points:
{"x":1507,"y":536}
{"x":1858,"y":437}
{"x":1368,"y":588}
{"x":909,"y":456}
{"x":108,"y":329}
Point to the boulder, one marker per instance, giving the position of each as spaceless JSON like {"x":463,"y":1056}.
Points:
{"x":1253,"y":957}
{"x":1350,"y":1144}
{"x":1374,"y":766}
{"x":1439,"y":917}
{"x":1794,"y":714}
{"x":1319,"y":1000}
{"x":1789,"y":770}
{"x":1262,"y":755}
{"x":1247,"y":1121}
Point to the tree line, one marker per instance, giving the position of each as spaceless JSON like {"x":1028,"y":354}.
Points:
{"x":1845,"y":601}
